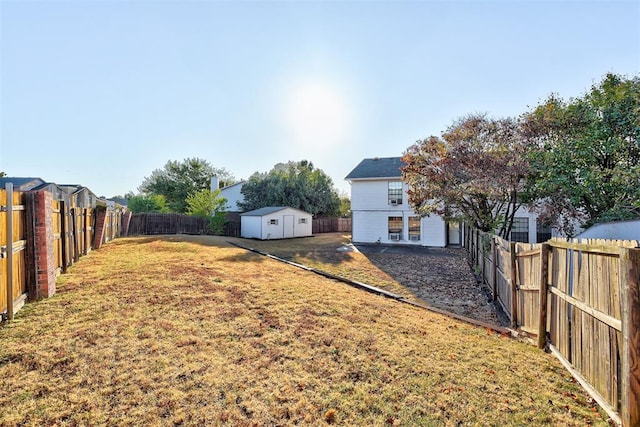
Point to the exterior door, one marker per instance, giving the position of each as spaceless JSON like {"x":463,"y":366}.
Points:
{"x":454,"y":233}
{"x":288,"y":226}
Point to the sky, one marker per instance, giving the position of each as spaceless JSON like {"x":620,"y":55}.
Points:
{"x":101,"y":93}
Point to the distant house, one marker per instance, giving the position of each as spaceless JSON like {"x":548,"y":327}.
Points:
{"x":231,"y":192}
{"x":21,"y":183}
{"x":381,"y":212}
{"x":276,"y":222}
{"x":234,"y":196}
{"x":73,"y":195}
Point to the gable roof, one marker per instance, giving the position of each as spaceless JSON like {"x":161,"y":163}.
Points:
{"x":377,"y":167}
{"x":233,"y":185}
{"x":269,"y":210}
{"x":21,"y":183}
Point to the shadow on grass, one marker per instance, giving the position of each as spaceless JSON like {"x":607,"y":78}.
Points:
{"x":319,"y":249}
{"x":205,"y":240}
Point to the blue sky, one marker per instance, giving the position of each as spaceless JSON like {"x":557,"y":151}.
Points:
{"x":101,"y":93}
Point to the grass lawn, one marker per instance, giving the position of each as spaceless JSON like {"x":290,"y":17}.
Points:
{"x":173,"y":331}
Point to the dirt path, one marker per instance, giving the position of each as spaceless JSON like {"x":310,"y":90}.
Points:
{"x":440,"y":277}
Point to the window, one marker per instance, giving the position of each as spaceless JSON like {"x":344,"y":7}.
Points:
{"x":414,"y":228}
{"x":520,"y":230}
{"x":395,"y":228}
{"x":273,"y":222}
{"x":543,"y":231}
{"x":395,"y":192}
{"x":302,"y":220}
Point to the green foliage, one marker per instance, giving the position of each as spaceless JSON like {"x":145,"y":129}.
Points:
{"x":345,"y":206}
{"x":586,"y":165}
{"x":2,"y":174}
{"x":474,"y":173}
{"x":179,"y":179}
{"x":205,"y":202}
{"x":295,"y":184}
{"x":146,"y":203}
{"x":217,"y":223}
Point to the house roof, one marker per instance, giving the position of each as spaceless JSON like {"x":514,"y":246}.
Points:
{"x":269,"y":210}
{"x":233,"y":185}
{"x":377,"y":167}
{"x":20,"y":183}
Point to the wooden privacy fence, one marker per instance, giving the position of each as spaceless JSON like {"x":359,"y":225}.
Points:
{"x":159,"y":223}
{"x":582,"y":299}
{"x":40,"y":238}
{"x":13,"y":283}
{"x":331,"y":225}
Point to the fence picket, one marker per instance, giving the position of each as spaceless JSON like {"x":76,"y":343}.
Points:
{"x":585,"y":295}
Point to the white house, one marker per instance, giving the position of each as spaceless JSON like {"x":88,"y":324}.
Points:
{"x":275,"y":223}
{"x":231,"y":192}
{"x":234,"y":196}
{"x":381,"y":212}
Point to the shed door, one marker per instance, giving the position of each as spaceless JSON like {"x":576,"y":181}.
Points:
{"x":288,"y":226}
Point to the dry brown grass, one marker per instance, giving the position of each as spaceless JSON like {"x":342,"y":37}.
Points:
{"x":320,"y":251}
{"x":152,"y":331}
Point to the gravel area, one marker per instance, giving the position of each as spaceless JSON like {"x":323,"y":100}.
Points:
{"x":440,"y":277}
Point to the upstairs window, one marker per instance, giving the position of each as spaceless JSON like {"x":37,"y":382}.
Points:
{"x":395,"y":192}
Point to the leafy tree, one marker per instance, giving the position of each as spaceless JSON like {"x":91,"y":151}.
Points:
{"x":473,"y":173}
{"x":295,"y":184}
{"x":179,"y":179}
{"x":345,"y":206}
{"x":586,"y":161}
{"x":2,"y":174}
{"x":146,"y":203}
{"x":205,"y":203}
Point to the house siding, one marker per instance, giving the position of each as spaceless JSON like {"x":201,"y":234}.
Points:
{"x":371,"y":211}
{"x":234,"y":196}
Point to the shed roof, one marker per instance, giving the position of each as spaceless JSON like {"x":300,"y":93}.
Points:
{"x":269,"y":210}
{"x":377,"y":167}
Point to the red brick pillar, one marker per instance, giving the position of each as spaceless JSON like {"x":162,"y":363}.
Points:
{"x":126,"y":219}
{"x":45,"y":267}
{"x":98,"y":237}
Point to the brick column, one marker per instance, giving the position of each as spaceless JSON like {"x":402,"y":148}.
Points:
{"x":101,"y":216}
{"x":45,"y":267}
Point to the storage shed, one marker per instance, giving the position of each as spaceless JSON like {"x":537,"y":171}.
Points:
{"x":277,"y":222}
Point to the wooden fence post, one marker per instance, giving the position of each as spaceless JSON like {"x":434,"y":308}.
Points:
{"x":74,"y":230}
{"x":514,"y":290}
{"x":544,"y":285}
{"x":9,"y":189}
{"x":475,"y":247}
{"x":494,"y":268}
{"x":629,"y":276}
{"x":63,"y":235}
{"x":482,"y":269}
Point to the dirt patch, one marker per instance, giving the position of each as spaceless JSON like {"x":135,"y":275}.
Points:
{"x":442,"y":278}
